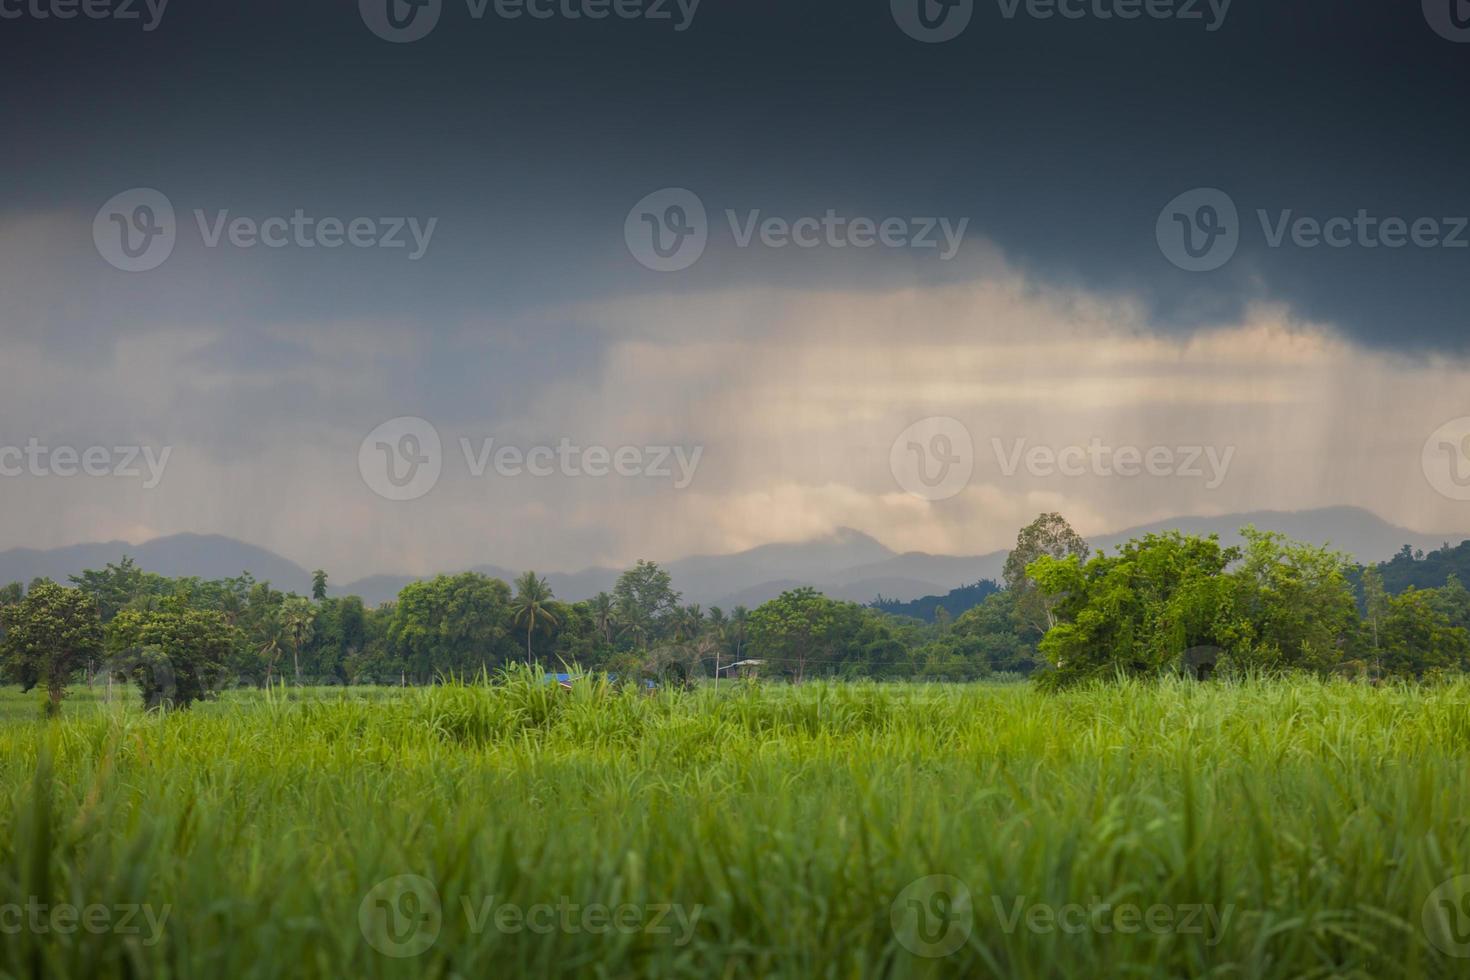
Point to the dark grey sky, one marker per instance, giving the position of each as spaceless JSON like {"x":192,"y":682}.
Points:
{"x":527,"y":142}
{"x":1060,"y":139}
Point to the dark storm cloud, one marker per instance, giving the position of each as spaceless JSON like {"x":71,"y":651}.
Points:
{"x":529,"y":141}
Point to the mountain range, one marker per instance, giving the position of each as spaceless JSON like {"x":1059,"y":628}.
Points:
{"x":846,"y":564}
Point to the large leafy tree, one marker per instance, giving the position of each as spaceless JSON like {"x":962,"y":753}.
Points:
{"x":120,"y":585}
{"x":177,"y":655}
{"x":646,"y":602}
{"x":339,"y":633}
{"x":50,"y":635}
{"x":794,"y":628}
{"x":452,"y":624}
{"x":1048,"y":536}
{"x":1136,"y":612}
{"x":1416,"y":637}
{"x":1297,"y":601}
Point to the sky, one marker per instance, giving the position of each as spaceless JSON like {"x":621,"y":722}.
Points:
{"x":399,"y":288}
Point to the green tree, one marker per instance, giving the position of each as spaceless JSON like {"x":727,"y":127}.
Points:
{"x":1138,"y":611}
{"x":992,"y":628}
{"x":1298,"y":604}
{"x":645,"y":601}
{"x":795,"y":627}
{"x":531,"y":606}
{"x":319,"y":585}
{"x":175,"y":656}
{"x":1417,"y":637}
{"x":339,"y":632}
{"x":49,"y":635}
{"x":298,"y":617}
{"x":604,"y":615}
{"x":118,"y":586}
{"x":1375,"y":609}
{"x":1049,"y":535}
{"x":452,"y":624}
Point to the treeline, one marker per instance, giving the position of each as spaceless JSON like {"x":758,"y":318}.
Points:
{"x":180,"y":640}
{"x":1163,"y":603}
{"x":1172,"y":602}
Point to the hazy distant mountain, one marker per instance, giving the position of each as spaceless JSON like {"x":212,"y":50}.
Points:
{"x":206,"y":556}
{"x":846,"y":564}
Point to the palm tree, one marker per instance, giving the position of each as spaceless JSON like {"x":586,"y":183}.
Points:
{"x":297,"y":617}
{"x":688,"y":623}
{"x":604,"y":614}
{"x":735,"y":632}
{"x":270,"y":649}
{"x":532,"y":597}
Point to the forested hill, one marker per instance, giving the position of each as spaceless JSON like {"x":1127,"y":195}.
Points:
{"x":1419,"y":570}
{"x":955,"y":602}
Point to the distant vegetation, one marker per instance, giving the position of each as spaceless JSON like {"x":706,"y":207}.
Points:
{"x":1162,"y":604}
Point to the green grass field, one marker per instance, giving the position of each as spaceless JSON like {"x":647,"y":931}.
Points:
{"x":1279,"y":829}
